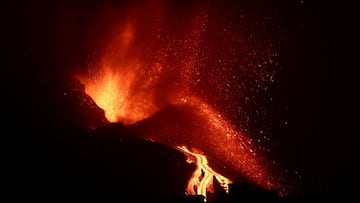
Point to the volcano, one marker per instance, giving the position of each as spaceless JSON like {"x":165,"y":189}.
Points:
{"x":86,"y":86}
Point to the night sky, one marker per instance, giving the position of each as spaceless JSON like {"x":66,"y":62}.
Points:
{"x":51,"y":153}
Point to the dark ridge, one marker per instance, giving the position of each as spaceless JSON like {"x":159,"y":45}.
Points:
{"x":71,"y":103}
{"x":68,"y":163}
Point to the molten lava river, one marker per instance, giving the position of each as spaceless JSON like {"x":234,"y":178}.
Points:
{"x":189,"y":77}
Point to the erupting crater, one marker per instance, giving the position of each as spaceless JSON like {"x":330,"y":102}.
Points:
{"x":149,"y":76}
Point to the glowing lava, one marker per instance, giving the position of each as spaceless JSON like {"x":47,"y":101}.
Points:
{"x":202,"y":178}
{"x":122,"y":87}
{"x":111,"y":92}
{"x":194,"y":124}
{"x":143,"y":73}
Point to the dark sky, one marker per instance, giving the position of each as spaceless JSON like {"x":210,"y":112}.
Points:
{"x":320,"y":88}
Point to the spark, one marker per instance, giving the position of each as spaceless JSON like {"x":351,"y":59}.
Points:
{"x":138,"y":77}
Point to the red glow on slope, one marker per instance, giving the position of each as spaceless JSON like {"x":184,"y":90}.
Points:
{"x":135,"y":79}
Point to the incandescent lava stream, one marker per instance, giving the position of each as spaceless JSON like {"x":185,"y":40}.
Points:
{"x":145,"y":75}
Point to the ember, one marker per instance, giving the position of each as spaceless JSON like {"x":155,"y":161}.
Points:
{"x":134,"y":79}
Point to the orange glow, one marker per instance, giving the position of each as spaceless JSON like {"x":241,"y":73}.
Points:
{"x":111,"y":91}
{"x":135,"y":79}
{"x":128,"y":92}
{"x":202,"y":178}
{"x":115,"y":86}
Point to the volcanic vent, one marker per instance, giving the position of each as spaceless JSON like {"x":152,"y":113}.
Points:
{"x":182,"y":76}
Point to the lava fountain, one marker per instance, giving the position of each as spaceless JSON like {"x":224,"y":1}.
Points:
{"x":146,"y":77}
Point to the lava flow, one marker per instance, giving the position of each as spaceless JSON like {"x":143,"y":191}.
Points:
{"x":160,"y":79}
{"x":202,"y":178}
